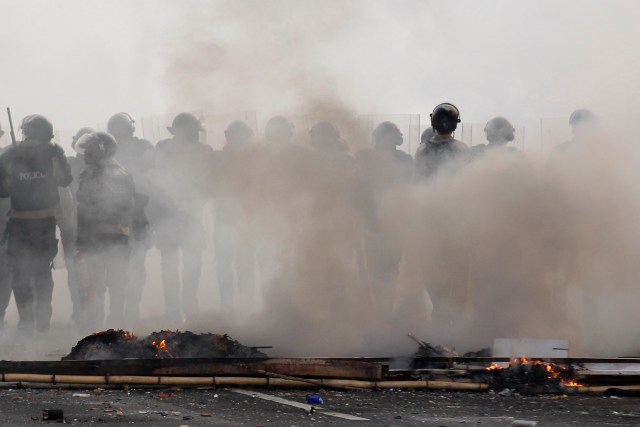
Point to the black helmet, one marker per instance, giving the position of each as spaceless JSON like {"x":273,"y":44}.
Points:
{"x":104,"y":142}
{"x":499,"y":129}
{"x":582,"y":116}
{"x":37,"y":127}
{"x":325,"y":135}
{"x":278,"y":129}
{"x":426,"y":136}
{"x":238,"y":127}
{"x":185,"y":122}
{"x":121,"y":125}
{"x":445,"y":118}
{"x":79,"y":134}
{"x":323,"y":132}
{"x":387,"y":132}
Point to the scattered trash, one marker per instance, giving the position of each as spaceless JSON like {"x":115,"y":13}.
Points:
{"x":205,"y":414}
{"x":34,"y":418}
{"x":81,"y":395}
{"x":314,"y":399}
{"x":524,"y":423}
{"x":119,"y":412}
{"x":505,"y":393}
{"x":164,"y":395}
{"x":187,"y":418}
{"x":52,"y":414}
{"x":561,"y":396}
{"x":119,"y":344}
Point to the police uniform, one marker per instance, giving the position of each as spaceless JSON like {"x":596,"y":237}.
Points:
{"x":105,"y":216}
{"x":136,"y":156}
{"x":31,"y":173}
{"x":182,"y":178}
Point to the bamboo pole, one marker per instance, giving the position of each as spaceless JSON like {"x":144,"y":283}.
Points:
{"x":235,"y":381}
{"x":601,"y":388}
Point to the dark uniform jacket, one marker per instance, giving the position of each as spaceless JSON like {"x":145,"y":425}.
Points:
{"x":105,"y":202}
{"x":182,"y":181}
{"x":30,"y":173}
{"x":440,"y":152}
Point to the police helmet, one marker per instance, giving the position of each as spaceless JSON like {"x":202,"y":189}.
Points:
{"x":387,"y":132}
{"x":104,"y":142}
{"x":37,"y":127}
{"x":121,"y":125}
{"x":238,"y":127}
{"x":426,"y":136}
{"x":278,"y":128}
{"x":79,"y":134}
{"x":582,"y":116}
{"x":185,"y":122}
{"x":445,"y":118}
{"x":499,"y":129}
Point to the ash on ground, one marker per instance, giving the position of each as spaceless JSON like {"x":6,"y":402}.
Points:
{"x":119,"y":344}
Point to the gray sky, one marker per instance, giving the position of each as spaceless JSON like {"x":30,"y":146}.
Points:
{"x":79,"y":61}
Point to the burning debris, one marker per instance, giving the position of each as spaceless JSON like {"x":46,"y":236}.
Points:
{"x":119,"y":344}
{"x":532,"y":377}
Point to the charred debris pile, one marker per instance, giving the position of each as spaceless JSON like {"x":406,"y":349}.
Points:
{"x":119,"y":344}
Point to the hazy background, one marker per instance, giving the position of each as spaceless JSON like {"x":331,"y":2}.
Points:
{"x":78,"y":62}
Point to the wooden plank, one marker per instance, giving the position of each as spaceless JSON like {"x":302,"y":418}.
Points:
{"x":300,"y":367}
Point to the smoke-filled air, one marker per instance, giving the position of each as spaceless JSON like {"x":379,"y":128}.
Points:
{"x":322,"y":177}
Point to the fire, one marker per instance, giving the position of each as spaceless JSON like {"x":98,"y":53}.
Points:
{"x":571,"y":383}
{"x":161,"y":348}
{"x":552,"y":371}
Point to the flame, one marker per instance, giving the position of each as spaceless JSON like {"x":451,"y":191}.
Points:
{"x":571,"y":383}
{"x":161,"y":347}
{"x":493,"y":367}
{"x":553,"y":371}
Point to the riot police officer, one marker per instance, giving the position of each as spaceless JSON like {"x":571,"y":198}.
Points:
{"x":30,"y":174}
{"x":384,"y":169}
{"x":233,"y":240}
{"x":136,"y":156}
{"x":105,"y":220}
{"x":183,"y":176}
{"x":500,"y":132}
{"x":442,"y":152}
{"x":279,"y":131}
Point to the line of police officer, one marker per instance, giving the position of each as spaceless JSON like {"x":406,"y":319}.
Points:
{"x":120,"y":194}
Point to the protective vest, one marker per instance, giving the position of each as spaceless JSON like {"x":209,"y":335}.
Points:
{"x":31,"y":174}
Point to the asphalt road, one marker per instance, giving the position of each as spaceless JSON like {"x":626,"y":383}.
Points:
{"x":224,"y":407}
